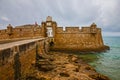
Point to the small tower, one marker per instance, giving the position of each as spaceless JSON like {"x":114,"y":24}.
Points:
{"x":93,"y":25}
{"x":49,"y":27}
{"x":49,"y":18}
{"x":9,"y":29}
{"x":93,"y":28}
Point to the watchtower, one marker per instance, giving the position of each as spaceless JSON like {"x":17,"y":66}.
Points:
{"x":93,"y":28}
{"x":49,"y":27}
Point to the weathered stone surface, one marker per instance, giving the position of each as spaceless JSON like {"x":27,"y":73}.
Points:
{"x":87,"y":39}
{"x":67,"y":67}
{"x":44,"y":63}
{"x":16,"y":58}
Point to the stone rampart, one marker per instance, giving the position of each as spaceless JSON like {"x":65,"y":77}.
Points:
{"x":72,"y":38}
{"x":16,"y":59}
{"x":20,"y":32}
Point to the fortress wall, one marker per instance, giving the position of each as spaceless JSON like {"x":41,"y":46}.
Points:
{"x":72,"y":29}
{"x":30,"y":32}
{"x":38,"y":31}
{"x":16,"y":32}
{"x":3,"y":31}
{"x":59,"y":30}
{"x":16,"y":61}
{"x":24,"y":32}
{"x":79,"y":40}
{"x":99,"y":38}
{"x":85,"y":29}
{"x":68,"y":30}
{"x":3,"y":34}
{"x":20,"y":33}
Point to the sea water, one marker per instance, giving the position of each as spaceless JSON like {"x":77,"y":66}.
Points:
{"x":107,"y":63}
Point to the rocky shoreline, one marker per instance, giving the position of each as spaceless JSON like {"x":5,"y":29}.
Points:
{"x":61,"y":66}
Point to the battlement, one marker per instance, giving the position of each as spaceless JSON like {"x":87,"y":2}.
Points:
{"x":72,"y":29}
{"x":77,"y":30}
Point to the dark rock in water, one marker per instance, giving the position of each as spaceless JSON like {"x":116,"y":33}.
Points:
{"x":99,"y":77}
{"x":88,"y":68}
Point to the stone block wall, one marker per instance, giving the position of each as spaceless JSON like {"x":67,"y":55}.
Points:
{"x":73,"y":38}
{"x":20,"y":32}
{"x":3,"y":34}
{"x":15,"y":62}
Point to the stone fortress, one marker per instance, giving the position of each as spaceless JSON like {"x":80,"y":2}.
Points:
{"x":21,"y":46}
{"x":68,"y":39}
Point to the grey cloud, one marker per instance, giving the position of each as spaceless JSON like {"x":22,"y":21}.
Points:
{"x":65,"y":12}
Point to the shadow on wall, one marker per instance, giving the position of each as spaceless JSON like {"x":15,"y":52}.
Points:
{"x":17,"y":67}
{"x":51,"y":43}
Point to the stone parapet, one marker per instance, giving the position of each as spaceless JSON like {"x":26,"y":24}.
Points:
{"x":17,"y":57}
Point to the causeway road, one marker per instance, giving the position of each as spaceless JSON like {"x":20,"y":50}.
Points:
{"x":16,"y":43}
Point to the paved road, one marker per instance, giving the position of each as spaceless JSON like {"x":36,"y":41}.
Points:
{"x":16,"y":43}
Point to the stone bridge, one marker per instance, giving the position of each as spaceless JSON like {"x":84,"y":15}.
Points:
{"x":17,"y":57}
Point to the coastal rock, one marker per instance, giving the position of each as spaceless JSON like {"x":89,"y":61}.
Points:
{"x":44,"y":63}
{"x":64,"y":66}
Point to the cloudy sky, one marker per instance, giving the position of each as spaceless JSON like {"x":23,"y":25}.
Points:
{"x":105,"y":13}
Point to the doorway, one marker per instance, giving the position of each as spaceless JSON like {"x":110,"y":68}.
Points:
{"x":49,"y":32}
